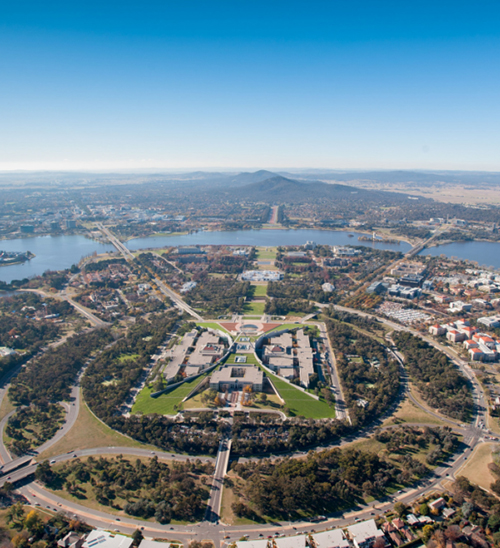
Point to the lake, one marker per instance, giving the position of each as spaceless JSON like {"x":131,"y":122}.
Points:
{"x":60,"y":252}
{"x":52,"y":253}
{"x":485,"y":253}
{"x":262,"y":238}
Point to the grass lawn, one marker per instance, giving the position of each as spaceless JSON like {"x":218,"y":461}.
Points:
{"x":286,"y":326}
{"x":125,"y":357}
{"x":409,"y":413}
{"x":272,"y":402}
{"x":212,"y":325}
{"x":228,"y":497}
{"x":476,"y":469}
{"x":266,"y":253}
{"x":251,"y":358}
{"x":89,"y":432}
{"x":254,"y":307}
{"x":164,"y":404}
{"x":299,"y":403}
{"x":260,"y":290}
{"x":6,"y":407}
{"x":416,"y":394}
{"x":196,"y":403}
{"x":371,"y":445}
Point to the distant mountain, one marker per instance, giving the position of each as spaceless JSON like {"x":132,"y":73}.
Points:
{"x":247,"y":178}
{"x":278,"y":189}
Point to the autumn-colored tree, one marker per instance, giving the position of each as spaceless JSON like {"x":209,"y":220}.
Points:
{"x":33,"y":522}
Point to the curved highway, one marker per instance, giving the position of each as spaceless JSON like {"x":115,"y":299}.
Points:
{"x":473,"y":435}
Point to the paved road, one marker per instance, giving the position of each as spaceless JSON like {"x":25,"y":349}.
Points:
{"x":473,"y":435}
{"x":116,"y":242}
{"x":177,"y":300}
{"x":341,"y":411}
{"x":86,"y":312}
{"x":71,"y":408}
{"x":26,"y":471}
{"x":162,"y":286}
{"x":97,"y":322}
{"x":214,"y":504}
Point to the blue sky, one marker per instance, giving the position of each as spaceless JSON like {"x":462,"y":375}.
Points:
{"x":249,"y":84}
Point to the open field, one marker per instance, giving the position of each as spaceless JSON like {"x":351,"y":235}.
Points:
{"x":227,"y":514}
{"x":415,"y":393}
{"x":476,"y":469}
{"x":254,"y":308}
{"x":266,"y":253}
{"x":409,"y":413}
{"x":89,"y":432}
{"x":371,"y":445}
{"x":455,"y":194}
{"x":164,"y":404}
{"x":260,"y":290}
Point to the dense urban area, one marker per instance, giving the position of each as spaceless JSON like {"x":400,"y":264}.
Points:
{"x":244,"y":395}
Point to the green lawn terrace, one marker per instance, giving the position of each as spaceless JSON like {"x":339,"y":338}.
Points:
{"x":169,"y":403}
{"x":285,"y":397}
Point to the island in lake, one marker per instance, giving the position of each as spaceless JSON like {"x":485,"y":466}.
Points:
{"x":14,"y":257}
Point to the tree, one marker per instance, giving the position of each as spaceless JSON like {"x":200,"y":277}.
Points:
{"x":21,"y":540}
{"x":423,"y":509}
{"x":137,"y":536}
{"x":427,"y":531}
{"x":400,"y":508}
{"x":15,"y":514}
{"x":33,"y":522}
{"x":494,"y":523}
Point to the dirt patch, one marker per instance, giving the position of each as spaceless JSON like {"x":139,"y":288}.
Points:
{"x":476,"y":470}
